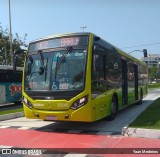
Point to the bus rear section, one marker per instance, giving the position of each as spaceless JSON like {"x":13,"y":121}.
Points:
{"x":57,"y":79}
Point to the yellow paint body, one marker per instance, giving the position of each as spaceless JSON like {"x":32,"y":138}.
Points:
{"x":95,"y":109}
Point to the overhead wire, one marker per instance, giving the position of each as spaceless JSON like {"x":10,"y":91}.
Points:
{"x":139,"y":45}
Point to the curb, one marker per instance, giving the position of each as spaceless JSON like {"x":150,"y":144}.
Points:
{"x":11,"y":116}
{"x":139,"y":132}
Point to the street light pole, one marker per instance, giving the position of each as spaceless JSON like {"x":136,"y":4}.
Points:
{"x":134,"y":51}
{"x":10,"y":33}
{"x":144,"y":52}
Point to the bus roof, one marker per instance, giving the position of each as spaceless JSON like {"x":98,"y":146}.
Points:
{"x":61,"y":35}
{"x":125,"y":54}
{"x":8,"y":67}
{"x":122,"y":53}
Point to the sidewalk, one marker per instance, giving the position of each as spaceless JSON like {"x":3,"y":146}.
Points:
{"x":11,"y":116}
{"x":141,"y":132}
{"x":10,"y":106}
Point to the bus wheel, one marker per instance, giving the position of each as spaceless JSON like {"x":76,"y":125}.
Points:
{"x":141,"y":97}
{"x":113,"y":109}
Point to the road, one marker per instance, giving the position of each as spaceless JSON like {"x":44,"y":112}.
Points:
{"x":101,"y":127}
{"x":100,"y":134}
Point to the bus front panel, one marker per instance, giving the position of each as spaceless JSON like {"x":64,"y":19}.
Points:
{"x":56,"y":75}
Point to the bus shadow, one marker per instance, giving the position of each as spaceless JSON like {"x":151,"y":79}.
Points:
{"x":102,"y":127}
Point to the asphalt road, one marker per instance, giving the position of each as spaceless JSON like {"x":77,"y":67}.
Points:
{"x":91,"y":139}
{"x":103,"y":127}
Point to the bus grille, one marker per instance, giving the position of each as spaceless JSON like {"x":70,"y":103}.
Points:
{"x":52,"y":98}
{"x":53,"y":95}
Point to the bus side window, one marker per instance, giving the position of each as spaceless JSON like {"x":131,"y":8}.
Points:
{"x":99,"y":67}
{"x":98,"y":73}
{"x":113,"y":69}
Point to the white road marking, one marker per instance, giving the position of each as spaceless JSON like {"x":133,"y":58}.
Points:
{"x":24,"y":128}
{"x":77,"y":155}
{"x":4,"y":126}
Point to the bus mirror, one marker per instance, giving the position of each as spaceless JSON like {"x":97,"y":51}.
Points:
{"x":29,"y":68}
{"x":20,"y":51}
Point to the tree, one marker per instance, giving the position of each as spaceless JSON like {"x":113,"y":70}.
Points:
{"x":17,"y":43}
{"x":154,"y":73}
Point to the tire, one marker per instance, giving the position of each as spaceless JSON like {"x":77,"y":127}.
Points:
{"x":114,"y":109}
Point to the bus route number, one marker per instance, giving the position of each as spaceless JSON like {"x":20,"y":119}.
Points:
{"x":69,"y":41}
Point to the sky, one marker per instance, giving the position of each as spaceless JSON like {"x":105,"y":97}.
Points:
{"x":127,"y":24}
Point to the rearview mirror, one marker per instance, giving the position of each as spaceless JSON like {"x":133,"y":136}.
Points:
{"x":20,"y":51}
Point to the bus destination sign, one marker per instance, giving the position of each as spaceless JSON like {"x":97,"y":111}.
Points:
{"x":59,"y":42}
{"x":69,"y":41}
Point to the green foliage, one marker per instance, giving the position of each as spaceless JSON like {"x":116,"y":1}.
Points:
{"x":11,"y":111}
{"x":155,"y":85}
{"x":154,"y":73}
{"x":149,"y":118}
{"x":17,"y":43}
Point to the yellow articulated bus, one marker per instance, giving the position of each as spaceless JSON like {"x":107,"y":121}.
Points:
{"x":80,"y":77}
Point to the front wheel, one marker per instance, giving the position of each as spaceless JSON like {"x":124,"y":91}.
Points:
{"x":114,"y":109}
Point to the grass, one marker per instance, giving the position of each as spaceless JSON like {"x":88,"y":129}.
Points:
{"x":11,"y":111}
{"x":149,"y":118}
{"x":156,"y":85}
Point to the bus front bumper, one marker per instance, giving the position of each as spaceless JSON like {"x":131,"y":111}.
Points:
{"x":83,"y":114}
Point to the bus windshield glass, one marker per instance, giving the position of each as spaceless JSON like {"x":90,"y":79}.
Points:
{"x":56,"y":71}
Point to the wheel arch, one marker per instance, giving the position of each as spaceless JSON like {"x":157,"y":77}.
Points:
{"x":115,"y":96}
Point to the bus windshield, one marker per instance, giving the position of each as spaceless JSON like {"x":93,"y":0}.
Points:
{"x":51,"y":71}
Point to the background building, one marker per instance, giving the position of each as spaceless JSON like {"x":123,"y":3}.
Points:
{"x":152,"y":60}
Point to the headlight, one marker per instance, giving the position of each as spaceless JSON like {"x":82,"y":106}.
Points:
{"x":79,"y":103}
{"x":27,"y":103}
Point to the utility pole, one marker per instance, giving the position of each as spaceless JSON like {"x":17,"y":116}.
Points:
{"x":83,"y":28}
{"x":10,"y":33}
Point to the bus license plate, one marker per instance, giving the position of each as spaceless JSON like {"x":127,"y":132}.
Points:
{"x":51,"y":118}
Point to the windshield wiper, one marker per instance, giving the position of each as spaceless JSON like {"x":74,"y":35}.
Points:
{"x":69,"y":49}
{"x":43,"y":68}
{"x":59,"y":62}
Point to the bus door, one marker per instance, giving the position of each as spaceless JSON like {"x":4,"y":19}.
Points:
{"x":136,"y":81}
{"x":124,"y":82}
